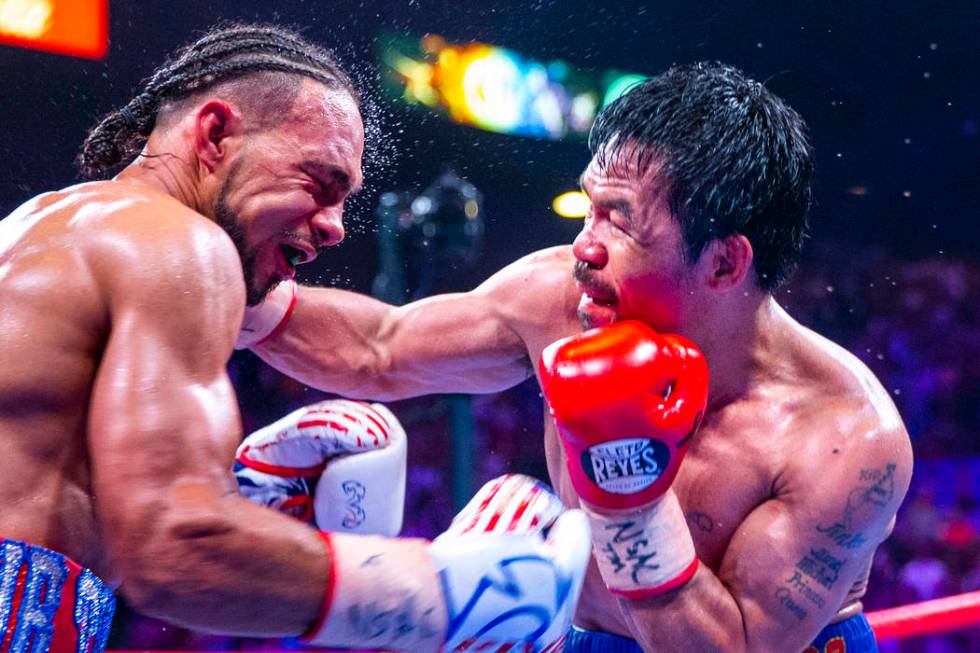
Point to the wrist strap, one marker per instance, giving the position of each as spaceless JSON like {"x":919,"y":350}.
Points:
{"x":382,"y":594}
{"x":644,"y":553}
{"x":267,"y":319}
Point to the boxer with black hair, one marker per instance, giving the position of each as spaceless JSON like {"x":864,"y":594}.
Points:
{"x":761,"y":538}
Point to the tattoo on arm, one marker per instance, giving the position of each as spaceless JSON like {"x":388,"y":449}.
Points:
{"x":785,"y":597}
{"x":876,"y":489}
{"x":702,"y":521}
{"x":373,"y":621}
{"x":819,"y":566}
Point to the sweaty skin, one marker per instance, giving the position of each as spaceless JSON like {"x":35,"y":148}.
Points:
{"x":789,"y":487}
{"x":121,"y":303}
{"x":117,"y":417}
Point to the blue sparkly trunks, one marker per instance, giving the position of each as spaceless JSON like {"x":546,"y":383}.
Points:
{"x":50,"y":604}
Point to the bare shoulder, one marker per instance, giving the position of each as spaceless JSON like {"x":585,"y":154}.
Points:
{"x":849,"y":443}
{"x":140,"y":245}
{"x":131,"y":221}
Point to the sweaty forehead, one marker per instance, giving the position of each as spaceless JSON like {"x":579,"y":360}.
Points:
{"x":622,"y":169}
{"x":328,"y":125}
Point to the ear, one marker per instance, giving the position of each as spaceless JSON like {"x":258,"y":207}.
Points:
{"x":214,"y":123}
{"x":727,"y":261}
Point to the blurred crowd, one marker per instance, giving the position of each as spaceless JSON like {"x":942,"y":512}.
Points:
{"x":915,"y":324}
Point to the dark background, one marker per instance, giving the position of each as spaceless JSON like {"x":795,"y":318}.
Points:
{"x":890,"y":91}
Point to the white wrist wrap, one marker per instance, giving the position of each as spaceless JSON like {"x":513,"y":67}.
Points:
{"x":266,"y":319}
{"x":365,"y":492}
{"x":646,"y":552}
{"x":382,"y":594}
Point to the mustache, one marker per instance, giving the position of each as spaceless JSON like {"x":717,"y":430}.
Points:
{"x":311,"y":241}
{"x":585,"y":275}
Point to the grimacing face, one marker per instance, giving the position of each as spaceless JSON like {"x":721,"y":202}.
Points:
{"x":630,"y":261}
{"x":283,"y":198}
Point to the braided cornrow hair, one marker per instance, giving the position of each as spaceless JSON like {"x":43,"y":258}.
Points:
{"x":225,"y":53}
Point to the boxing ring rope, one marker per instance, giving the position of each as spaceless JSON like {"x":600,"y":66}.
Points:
{"x":927,"y":618}
{"x":916,"y":619}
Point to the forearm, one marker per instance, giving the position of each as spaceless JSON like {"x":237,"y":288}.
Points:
{"x":354,"y":345}
{"x":222,"y":564}
{"x":702,"y":615}
{"x":333,"y":341}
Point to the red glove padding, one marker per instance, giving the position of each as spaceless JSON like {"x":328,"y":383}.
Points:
{"x":626,"y":401}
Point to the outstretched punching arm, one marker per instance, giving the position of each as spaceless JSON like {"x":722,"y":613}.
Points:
{"x":471,"y":342}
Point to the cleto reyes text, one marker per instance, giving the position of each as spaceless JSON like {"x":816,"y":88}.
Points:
{"x":627,"y":465}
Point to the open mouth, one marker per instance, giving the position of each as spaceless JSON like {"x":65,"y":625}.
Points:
{"x":293,"y":255}
{"x":598,"y":297}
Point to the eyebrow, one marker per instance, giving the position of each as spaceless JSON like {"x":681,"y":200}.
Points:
{"x":332,"y":172}
{"x":619,"y":205}
{"x":622,"y":206}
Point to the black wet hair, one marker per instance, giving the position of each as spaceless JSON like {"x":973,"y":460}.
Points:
{"x":736,"y":159}
{"x":274,"y":60}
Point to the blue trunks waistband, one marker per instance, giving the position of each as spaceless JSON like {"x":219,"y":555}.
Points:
{"x":852,"y":635}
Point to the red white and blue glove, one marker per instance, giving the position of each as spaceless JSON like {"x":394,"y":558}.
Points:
{"x":512,"y":503}
{"x":627,"y":401}
{"x":498,"y":583}
{"x":338,"y":463}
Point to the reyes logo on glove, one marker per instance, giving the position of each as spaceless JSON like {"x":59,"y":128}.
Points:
{"x":625,"y":466}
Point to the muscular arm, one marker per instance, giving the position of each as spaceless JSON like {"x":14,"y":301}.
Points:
{"x":471,"y":342}
{"x":162,"y":431}
{"x":792,"y":561}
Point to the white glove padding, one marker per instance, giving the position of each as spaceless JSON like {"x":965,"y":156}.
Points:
{"x":355,"y":453}
{"x":512,"y":503}
{"x":513,"y":590}
{"x":471,"y":592}
{"x":266,"y":319}
{"x":365,"y":493}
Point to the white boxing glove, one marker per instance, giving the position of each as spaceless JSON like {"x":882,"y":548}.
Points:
{"x":365,"y":492}
{"x":341,"y":463}
{"x":512,"y":504}
{"x":473,"y":591}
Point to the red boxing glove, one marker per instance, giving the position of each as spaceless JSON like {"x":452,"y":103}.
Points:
{"x":627,"y":401}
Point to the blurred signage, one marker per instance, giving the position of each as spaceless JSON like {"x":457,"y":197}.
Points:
{"x":78,"y":28}
{"x":498,"y":89}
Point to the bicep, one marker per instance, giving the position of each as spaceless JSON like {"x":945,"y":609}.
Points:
{"x":163,"y":415}
{"x":154,"y":422}
{"x":466,"y":338}
{"x":791,"y":563}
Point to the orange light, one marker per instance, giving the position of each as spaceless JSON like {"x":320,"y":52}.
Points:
{"x":78,"y":28}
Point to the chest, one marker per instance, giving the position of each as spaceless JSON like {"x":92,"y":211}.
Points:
{"x":722,"y":479}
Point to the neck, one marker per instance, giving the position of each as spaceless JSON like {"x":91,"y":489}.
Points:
{"x":163,"y":166}
{"x":740,"y":349}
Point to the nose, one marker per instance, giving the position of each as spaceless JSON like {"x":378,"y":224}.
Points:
{"x":328,"y":226}
{"x":588,"y":249}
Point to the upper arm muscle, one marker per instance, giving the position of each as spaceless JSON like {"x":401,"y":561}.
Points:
{"x":792,"y":561}
{"x":162,"y":408}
